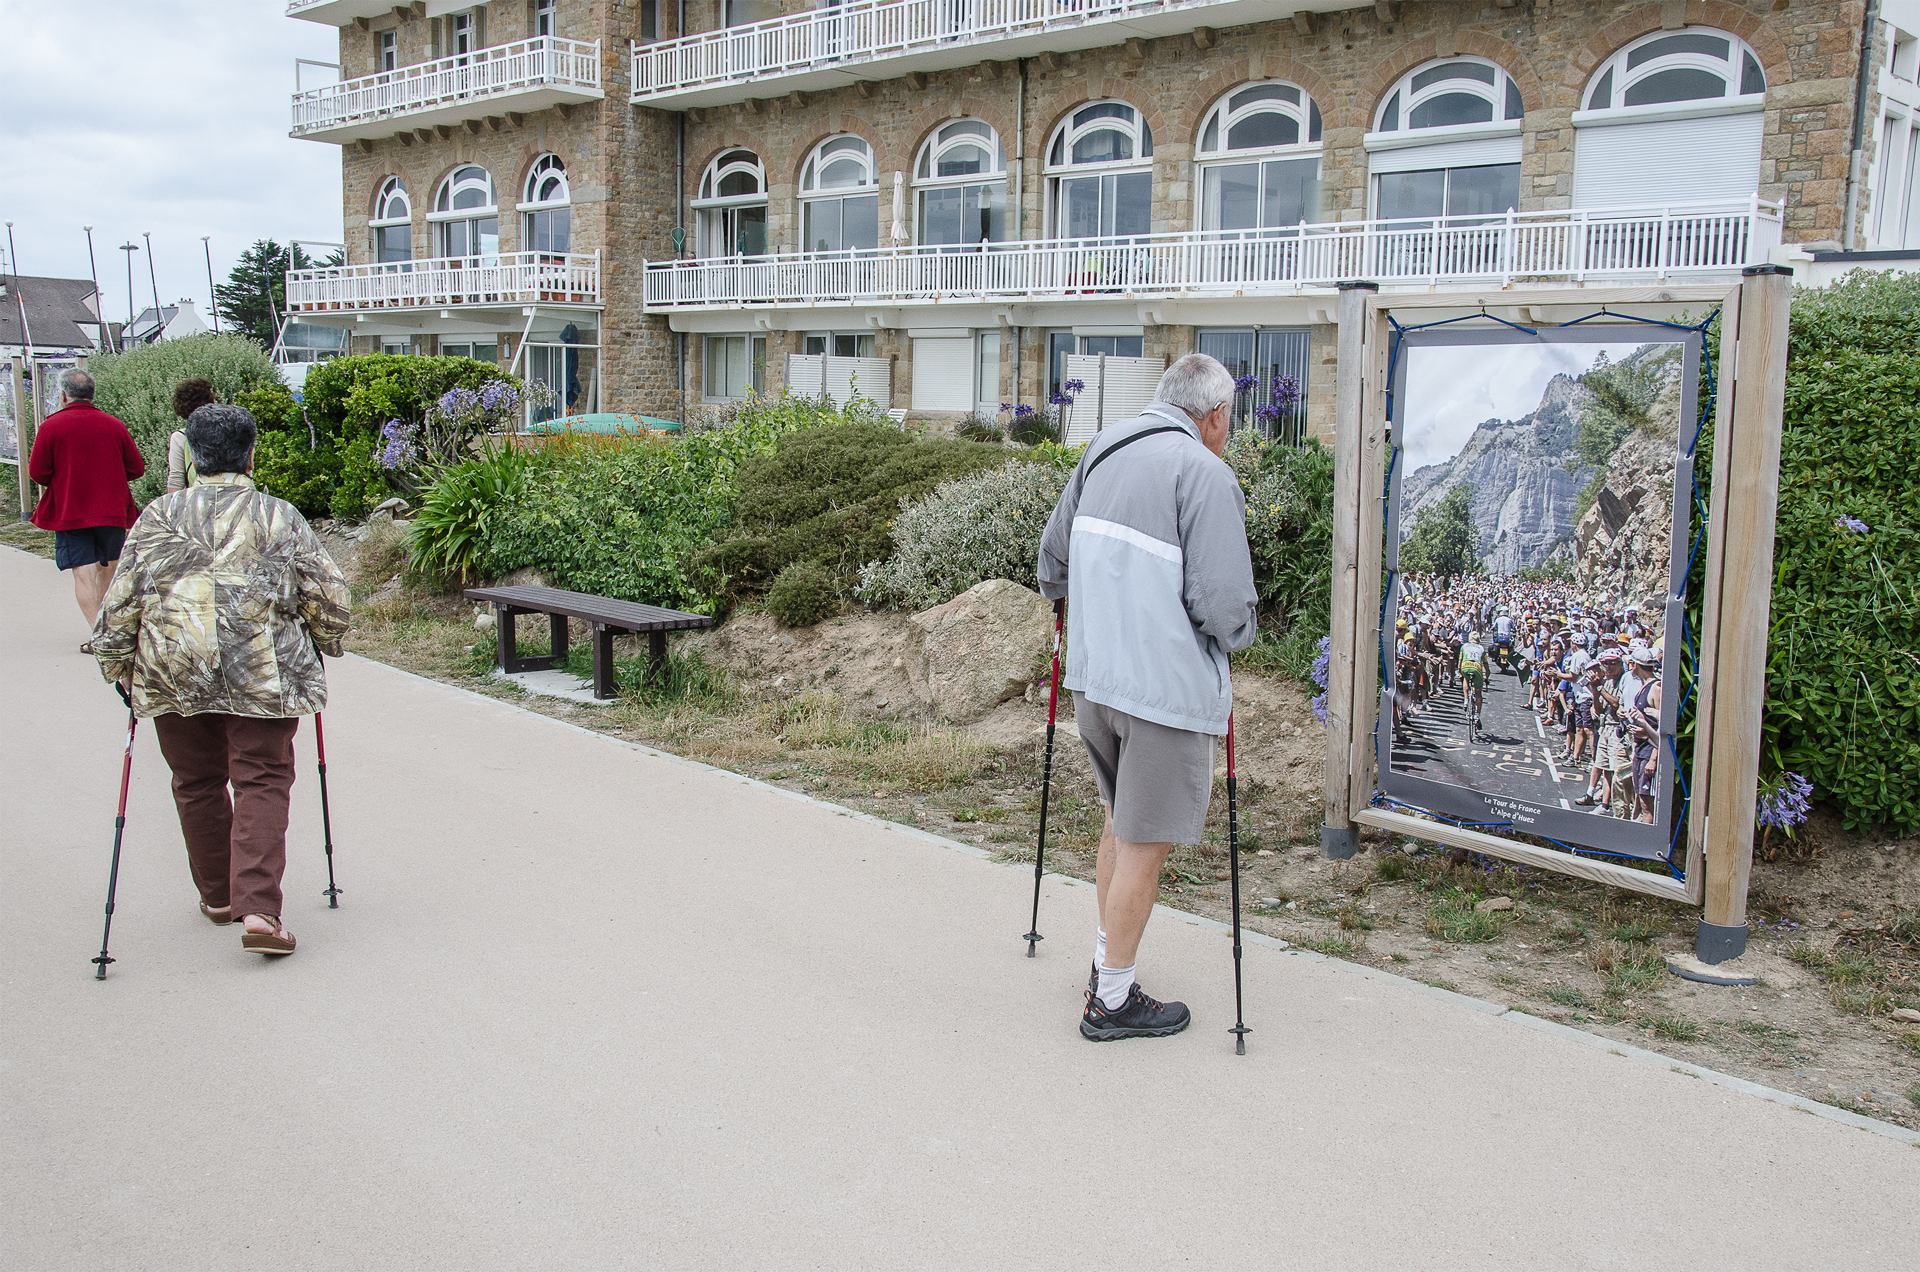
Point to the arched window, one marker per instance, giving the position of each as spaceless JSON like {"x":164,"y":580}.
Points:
{"x":1446,"y":142}
{"x":960,"y":185}
{"x":730,"y":210}
{"x":1672,"y":119}
{"x":1259,"y":157}
{"x":465,"y":219}
{"x":1100,"y":172}
{"x":547,"y":208}
{"x":392,"y":222}
{"x":839,"y":196}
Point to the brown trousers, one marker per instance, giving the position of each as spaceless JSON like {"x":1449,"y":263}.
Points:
{"x":236,"y":843}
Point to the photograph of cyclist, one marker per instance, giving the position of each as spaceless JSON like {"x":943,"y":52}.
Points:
{"x":1531,"y":532}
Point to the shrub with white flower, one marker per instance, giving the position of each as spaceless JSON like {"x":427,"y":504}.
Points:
{"x":979,"y":527}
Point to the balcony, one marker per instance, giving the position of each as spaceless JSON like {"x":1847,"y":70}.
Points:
{"x":339,"y":12}
{"x":882,"y":39}
{"x":527,"y":75}
{"x":1560,"y":247}
{"x":460,"y":282}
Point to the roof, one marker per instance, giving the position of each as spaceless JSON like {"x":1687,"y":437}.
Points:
{"x":56,"y":311}
{"x":142,"y":326}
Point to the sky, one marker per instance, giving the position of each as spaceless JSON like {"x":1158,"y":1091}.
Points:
{"x":1452,"y":389}
{"x":164,"y":116}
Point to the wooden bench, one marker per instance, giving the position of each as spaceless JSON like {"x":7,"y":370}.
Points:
{"x":608,"y":617}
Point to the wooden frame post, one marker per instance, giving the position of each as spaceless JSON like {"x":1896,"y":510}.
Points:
{"x":1337,"y":838}
{"x":23,"y":429}
{"x":1749,"y":456}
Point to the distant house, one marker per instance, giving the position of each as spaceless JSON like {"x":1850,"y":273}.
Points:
{"x":174,"y":321}
{"x":62,"y":316}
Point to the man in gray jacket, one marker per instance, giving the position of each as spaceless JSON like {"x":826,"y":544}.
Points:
{"x":1149,"y":544}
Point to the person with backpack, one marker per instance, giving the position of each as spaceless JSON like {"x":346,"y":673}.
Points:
{"x":1148,"y":545}
{"x":188,"y":397}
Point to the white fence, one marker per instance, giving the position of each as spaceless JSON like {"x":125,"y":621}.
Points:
{"x":863,"y":31}
{"x":507,"y":68}
{"x":1612,"y":243}
{"x":1113,"y":391}
{"x":841,"y":379}
{"x":559,"y":278}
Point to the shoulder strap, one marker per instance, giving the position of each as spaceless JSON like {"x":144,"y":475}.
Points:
{"x":1124,"y":442}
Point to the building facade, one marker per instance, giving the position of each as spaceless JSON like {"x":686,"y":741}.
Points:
{"x":655,"y":205}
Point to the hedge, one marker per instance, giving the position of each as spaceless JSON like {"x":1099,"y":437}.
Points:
{"x":137,"y":386}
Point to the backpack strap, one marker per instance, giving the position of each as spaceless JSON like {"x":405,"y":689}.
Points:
{"x":1125,"y":442}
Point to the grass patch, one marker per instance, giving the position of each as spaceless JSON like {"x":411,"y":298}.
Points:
{"x":1911,"y":1041}
{"x":1452,"y":917}
{"x":1392,"y":866}
{"x":1625,"y":969}
{"x":1674,"y":1028}
{"x":1568,"y":996}
{"x":1331,"y":946}
{"x":1352,"y":918}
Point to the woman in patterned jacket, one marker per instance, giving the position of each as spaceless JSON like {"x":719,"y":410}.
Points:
{"x":224,"y":601}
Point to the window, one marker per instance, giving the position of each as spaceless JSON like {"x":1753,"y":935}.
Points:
{"x":839,"y":197}
{"x":1446,"y":142}
{"x":389,"y":50}
{"x":392,"y":223}
{"x":649,"y":19}
{"x":1484,"y":191}
{"x":1263,"y":354}
{"x":986,"y":373}
{"x":466,"y":221}
{"x":462,"y":34}
{"x":543,"y":18}
{"x":482,"y":350}
{"x":402,"y":345}
{"x":741,"y":12}
{"x":1259,"y":158}
{"x":1451,"y":93}
{"x":960,"y":185}
{"x":730,"y":210}
{"x":839,"y":344}
{"x":570,"y":374}
{"x":549,"y":218}
{"x":736,"y":366}
{"x":1670,"y":120}
{"x":1062,"y":343}
{"x":1667,"y":68}
{"x":1100,"y":173}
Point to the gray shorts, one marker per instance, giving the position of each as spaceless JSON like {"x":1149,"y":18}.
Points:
{"x":1155,"y":780}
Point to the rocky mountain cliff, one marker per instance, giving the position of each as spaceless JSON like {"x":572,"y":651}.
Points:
{"x":1525,"y":479}
{"x":1623,"y":544}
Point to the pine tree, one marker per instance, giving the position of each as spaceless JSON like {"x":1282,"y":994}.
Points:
{"x":253,"y":300}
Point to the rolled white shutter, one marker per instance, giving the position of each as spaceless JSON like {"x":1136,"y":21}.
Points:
{"x":1124,"y":393}
{"x":1664,"y":162}
{"x":1476,"y":152}
{"x":943,"y":373}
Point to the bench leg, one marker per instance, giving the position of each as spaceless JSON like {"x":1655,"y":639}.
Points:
{"x":657,"y":657}
{"x":602,"y":661}
{"x":503,"y":637}
{"x":557,"y":641}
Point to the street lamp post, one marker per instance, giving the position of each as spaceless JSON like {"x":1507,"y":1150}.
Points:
{"x":93,"y":272}
{"x":213,"y":301}
{"x":153,"y":277}
{"x":129,"y":247}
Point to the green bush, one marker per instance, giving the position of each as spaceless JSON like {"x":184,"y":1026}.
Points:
{"x":1289,"y":491}
{"x":284,"y":465}
{"x":362,"y":484}
{"x":451,"y":529}
{"x":348,"y":396}
{"x":1843,"y":674}
{"x":983,"y":526}
{"x":272,"y":407}
{"x":802,"y":595}
{"x":137,"y":386}
{"x":830,"y":496}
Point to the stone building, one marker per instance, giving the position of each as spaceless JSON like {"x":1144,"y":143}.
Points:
{"x":655,"y":205}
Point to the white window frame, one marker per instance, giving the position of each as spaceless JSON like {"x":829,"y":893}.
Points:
{"x":386,"y":216}
{"x":833,"y":152}
{"x":863,"y":343}
{"x":444,"y":212}
{"x":960,"y":134}
{"x":710,"y":208}
{"x":387,"y":50}
{"x":753,"y":343}
{"x":1060,"y":166}
{"x":545,"y":19}
{"x":1618,"y":78}
{"x":1305,"y":112}
{"x":1407,"y":99}
{"x":546,"y":172}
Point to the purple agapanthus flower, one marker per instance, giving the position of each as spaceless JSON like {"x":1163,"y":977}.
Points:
{"x":1074,"y":386}
{"x":1784,"y":803}
{"x":1022,"y":411}
{"x":496,"y":395}
{"x":1321,"y":661}
{"x":1060,"y":399}
{"x":1854,"y":524}
{"x":1320,"y":707}
{"x":1005,"y":407}
{"x":1241,"y":383}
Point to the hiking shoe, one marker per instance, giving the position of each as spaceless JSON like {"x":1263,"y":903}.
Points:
{"x":1093,"y":979}
{"x":1138,"y":1017}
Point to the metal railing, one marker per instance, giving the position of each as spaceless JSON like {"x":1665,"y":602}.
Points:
{"x":862,"y":31}
{"x":506,"y":68}
{"x":1572,"y":246}
{"x":512,"y":278}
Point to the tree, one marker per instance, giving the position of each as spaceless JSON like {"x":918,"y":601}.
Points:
{"x":253,"y":300}
{"x":1442,"y":539}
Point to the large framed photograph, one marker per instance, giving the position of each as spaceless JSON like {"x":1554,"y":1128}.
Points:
{"x":1536,"y":538}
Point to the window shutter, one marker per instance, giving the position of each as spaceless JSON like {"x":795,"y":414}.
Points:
{"x":1127,"y":389}
{"x":1658,"y":163}
{"x":943,"y":373}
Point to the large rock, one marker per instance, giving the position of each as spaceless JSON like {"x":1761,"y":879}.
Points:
{"x":979,"y":649}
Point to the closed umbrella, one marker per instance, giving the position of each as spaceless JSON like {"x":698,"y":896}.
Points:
{"x":899,"y":208}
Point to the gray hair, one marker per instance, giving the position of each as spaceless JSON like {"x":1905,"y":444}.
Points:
{"x":221,"y":438}
{"x":76,"y":384}
{"x":1196,"y":384}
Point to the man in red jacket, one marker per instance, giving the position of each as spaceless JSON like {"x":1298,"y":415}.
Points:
{"x":85,"y":458}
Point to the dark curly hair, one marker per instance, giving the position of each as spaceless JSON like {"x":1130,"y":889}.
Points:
{"x":190,"y":395}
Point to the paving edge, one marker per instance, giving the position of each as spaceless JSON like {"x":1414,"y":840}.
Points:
{"x":1482,"y":1006}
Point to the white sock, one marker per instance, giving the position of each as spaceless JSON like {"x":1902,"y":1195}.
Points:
{"x":1099,"y":946}
{"x":1115,"y":983}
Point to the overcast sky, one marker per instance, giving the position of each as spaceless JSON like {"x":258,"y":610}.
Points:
{"x":167,"y":116}
{"x":1452,"y":389}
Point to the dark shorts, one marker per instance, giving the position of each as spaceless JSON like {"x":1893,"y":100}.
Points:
{"x":96,"y":545}
{"x":1155,"y":780}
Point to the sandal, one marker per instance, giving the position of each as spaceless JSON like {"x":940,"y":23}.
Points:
{"x":86,"y":647}
{"x":219,"y":915}
{"x":276,"y":941}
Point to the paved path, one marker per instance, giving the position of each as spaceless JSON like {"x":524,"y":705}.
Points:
{"x":585,"y":1007}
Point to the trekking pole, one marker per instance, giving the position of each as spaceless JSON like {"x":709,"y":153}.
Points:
{"x":326,"y":816}
{"x":119,"y":829}
{"x":1239,"y":1030}
{"x":1046,"y":773}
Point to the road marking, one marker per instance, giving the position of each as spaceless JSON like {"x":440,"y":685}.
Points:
{"x":1552,"y":768}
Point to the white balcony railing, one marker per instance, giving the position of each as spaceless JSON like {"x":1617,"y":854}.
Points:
{"x":525,"y":66}
{"x":515,"y":278}
{"x":866,"y":31}
{"x":1567,"y":246}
